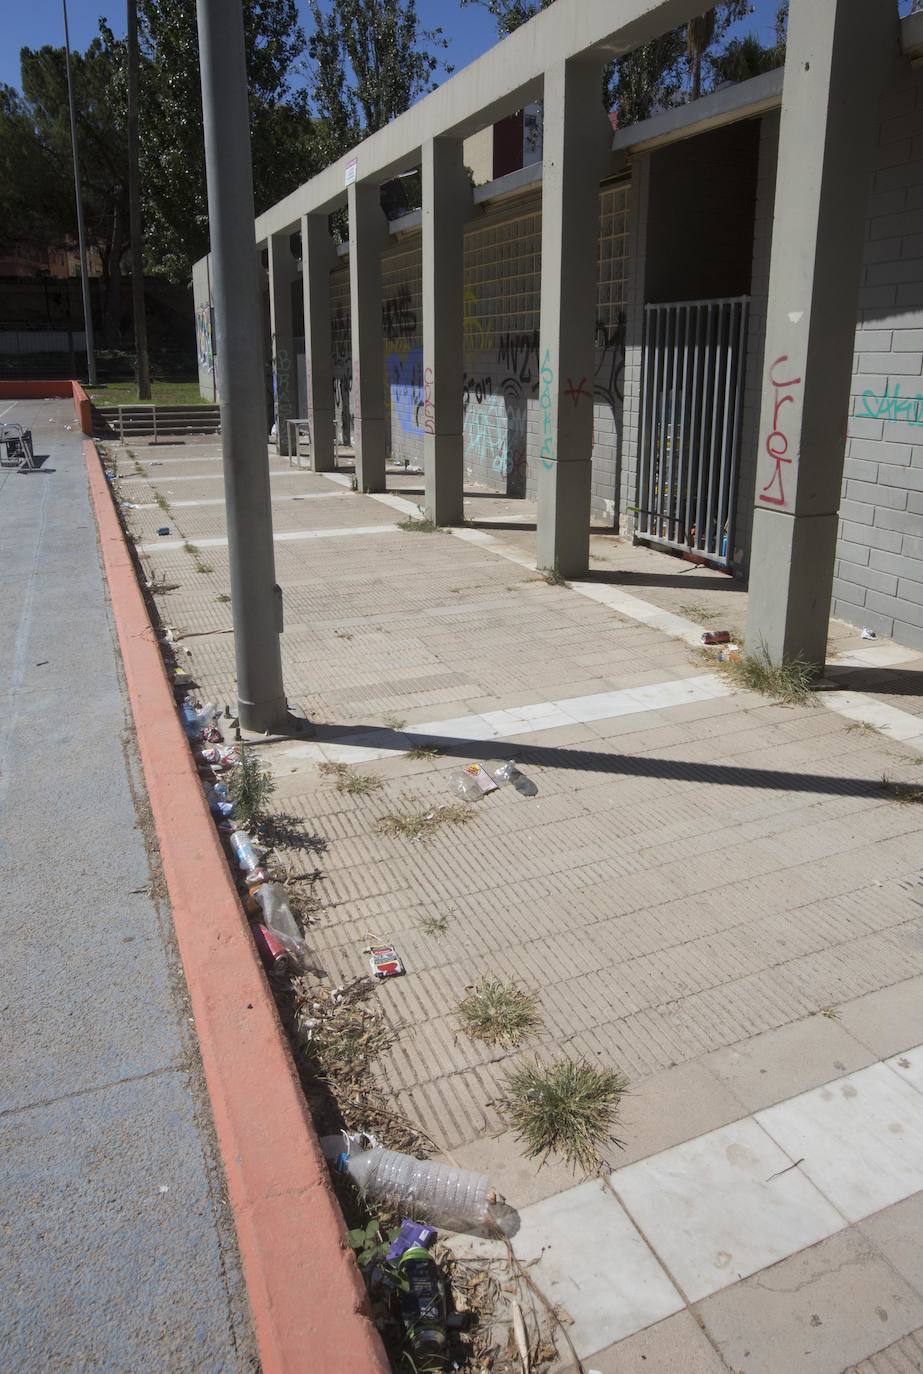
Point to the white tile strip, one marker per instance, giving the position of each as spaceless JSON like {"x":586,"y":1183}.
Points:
{"x":518,"y":720}
{"x":860,"y":1139}
{"x":281,"y":536}
{"x":207,"y":476}
{"x":219,"y":500}
{"x":897,"y":725}
{"x":723,"y":1206}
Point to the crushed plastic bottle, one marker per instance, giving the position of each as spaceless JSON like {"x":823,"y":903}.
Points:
{"x":219,"y":802}
{"x":277,"y":914}
{"x":472,"y":783}
{"x":244,"y":851}
{"x":508,"y":774}
{"x":455,"y":1199}
{"x":195,"y":722}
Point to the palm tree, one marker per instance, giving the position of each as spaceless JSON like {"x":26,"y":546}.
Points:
{"x":699,"y":34}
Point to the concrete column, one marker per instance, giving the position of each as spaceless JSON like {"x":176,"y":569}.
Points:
{"x":282,"y":273}
{"x":318,"y":255}
{"x":447,"y":204}
{"x":368,"y":234}
{"x":577,"y":138}
{"x":827,"y":139}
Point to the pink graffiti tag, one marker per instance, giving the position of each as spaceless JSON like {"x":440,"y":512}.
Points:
{"x":578,"y":392}
{"x":777,"y":440}
{"x":429,"y":405}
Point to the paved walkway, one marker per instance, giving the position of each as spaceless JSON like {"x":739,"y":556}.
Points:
{"x":711,"y":892}
{"x":118,"y":1249}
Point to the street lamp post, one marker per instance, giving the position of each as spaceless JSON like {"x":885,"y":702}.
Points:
{"x":81,"y":232}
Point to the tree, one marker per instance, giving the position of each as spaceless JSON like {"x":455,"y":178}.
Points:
{"x":372,"y":60}
{"x":35,"y":157}
{"x":700,"y":34}
{"x":286,"y":150}
{"x":510,"y":14}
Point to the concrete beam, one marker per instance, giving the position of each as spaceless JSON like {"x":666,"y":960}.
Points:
{"x":447,"y":205}
{"x":826,"y":152}
{"x":746,"y":100}
{"x":282,"y":273}
{"x":502,"y":81}
{"x":576,"y":150}
{"x":318,"y":258}
{"x":368,"y":233}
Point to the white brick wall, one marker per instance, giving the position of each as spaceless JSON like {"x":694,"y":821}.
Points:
{"x":879,"y":567}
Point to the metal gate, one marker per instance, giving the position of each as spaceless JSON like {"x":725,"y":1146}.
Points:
{"x":692,"y":397}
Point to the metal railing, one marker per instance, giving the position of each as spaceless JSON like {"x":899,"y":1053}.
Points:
{"x":692,"y":398}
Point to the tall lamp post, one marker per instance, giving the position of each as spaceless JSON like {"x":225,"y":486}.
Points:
{"x":256,"y":600}
{"x":81,"y":232}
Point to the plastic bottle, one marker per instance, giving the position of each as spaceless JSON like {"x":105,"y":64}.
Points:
{"x":277,"y":914}
{"x":455,"y":1199}
{"x":194,"y":722}
{"x":509,"y":773}
{"x":219,"y":802}
{"x":245,"y":851}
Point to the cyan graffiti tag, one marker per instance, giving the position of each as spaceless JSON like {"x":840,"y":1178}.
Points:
{"x":891,"y":405}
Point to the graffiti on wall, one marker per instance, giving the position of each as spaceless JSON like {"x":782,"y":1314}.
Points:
{"x":405,"y":382}
{"x":205,"y":351}
{"x":891,"y":405}
{"x":776,"y":445}
{"x":398,"y":321}
{"x":478,"y":335}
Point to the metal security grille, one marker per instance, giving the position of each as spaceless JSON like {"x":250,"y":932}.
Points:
{"x":692,"y":396}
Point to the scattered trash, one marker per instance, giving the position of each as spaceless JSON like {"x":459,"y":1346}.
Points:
{"x":508,"y":774}
{"x":219,"y":802}
{"x":716,"y":637}
{"x":412,"y":1233}
{"x":271,"y":949}
{"x":867,"y":633}
{"x":245,"y":851}
{"x":472,"y":783}
{"x":164,"y":529}
{"x":220,"y":758}
{"x":455,"y":1199}
{"x":129,"y":505}
{"x":422,"y":1305}
{"x":385,"y":962}
{"x":731,"y":654}
{"x":196,"y":722}
{"x":522,"y":1340}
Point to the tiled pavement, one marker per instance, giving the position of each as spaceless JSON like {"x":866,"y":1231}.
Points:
{"x":696,"y":880}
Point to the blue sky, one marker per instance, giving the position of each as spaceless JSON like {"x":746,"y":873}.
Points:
{"x":470,"y":30}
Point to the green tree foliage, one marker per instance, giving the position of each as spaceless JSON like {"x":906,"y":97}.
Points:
{"x":285,"y":147}
{"x":35,"y":156}
{"x":371,"y":61}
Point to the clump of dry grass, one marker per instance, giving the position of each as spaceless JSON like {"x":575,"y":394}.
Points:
{"x":904,"y":793}
{"x":567,"y":1108}
{"x":417,"y":824}
{"x":498,"y":1012}
{"x":353,"y":784}
{"x":423,"y":751}
{"x":791,"y":681}
{"x":414,"y":526}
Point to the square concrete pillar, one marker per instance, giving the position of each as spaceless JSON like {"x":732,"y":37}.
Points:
{"x":283,"y":271}
{"x":836,"y":48}
{"x":368,"y":234}
{"x":576,"y":141}
{"x":447,"y":205}
{"x":318,"y":256}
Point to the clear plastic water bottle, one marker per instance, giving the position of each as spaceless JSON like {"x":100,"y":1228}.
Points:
{"x":245,"y":851}
{"x":455,"y":1199}
{"x":277,"y":914}
{"x":194,"y":722}
{"x":508,"y":773}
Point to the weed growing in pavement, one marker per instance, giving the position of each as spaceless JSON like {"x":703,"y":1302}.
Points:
{"x":905,"y":793}
{"x":435,"y":926}
{"x":831,"y":1013}
{"x":567,"y":1108}
{"x":423,"y":526}
{"x":697,"y":612}
{"x":498,"y":1012}
{"x":790,"y":681}
{"x":410,"y":824}
{"x":393,"y":722}
{"x":860,"y":727}
{"x":353,"y":784}
{"x":196,"y":555}
{"x":423,"y":751}
{"x":162,"y":501}
{"x":250,"y":785}
{"x":159,"y":586}
{"x":223,"y":598}
{"x":554,"y":578}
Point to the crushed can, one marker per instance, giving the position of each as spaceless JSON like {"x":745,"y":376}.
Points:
{"x":716,"y":637}
{"x":271,"y":949}
{"x":384,"y":961}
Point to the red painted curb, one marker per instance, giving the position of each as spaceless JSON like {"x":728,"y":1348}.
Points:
{"x":309,"y":1304}
{"x":30,"y":391}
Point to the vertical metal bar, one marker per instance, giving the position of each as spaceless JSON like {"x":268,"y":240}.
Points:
{"x":644,"y":423}
{"x":735,"y":436}
{"x":695,"y":445}
{"x":683,"y":476}
{"x":671,"y":505}
{"x":654,"y":445}
{"x":121,"y":429}
{"x":700,"y":529}
{"x":81,"y":228}
{"x":662,"y":454}
{"x":726,"y":430}
{"x":711,"y":545}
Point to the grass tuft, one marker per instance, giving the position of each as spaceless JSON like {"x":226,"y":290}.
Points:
{"x":791,"y":681}
{"x":831,"y":1013}
{"x":393,"y":722}
{"x":422,"y":526}
{"x":423,"y":751}
{"x":196,"y":555}
{"x":434,"y":926}
{"x":223,"y":598}
{"x":353,"y":784}
{"x":567,"y":1108}
{"x":554,"y":578}
{"x":410,"y":824}
{"x":904,"y":793}
{"x":250,"y":785}
{"x":499,"y":1013}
